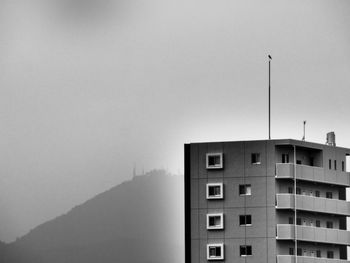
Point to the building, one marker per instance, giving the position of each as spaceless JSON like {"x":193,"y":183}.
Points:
{"x":240,"y":196}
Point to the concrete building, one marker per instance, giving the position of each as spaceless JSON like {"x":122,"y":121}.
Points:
{"x":240,"y":196}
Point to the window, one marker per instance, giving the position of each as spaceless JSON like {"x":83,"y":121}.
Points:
{"x":330,"y":254}
{"x":215,"y":251}
{"x":290,"y":220}
{"x":245,"y":251}
{"x":215,"y":191}
{"x":298,"y":161}
{"x":214,"y":161}
{"x":329,"y":224}
{"x":245,"y":220}
{"x":318,"y":253}
{"x":215,"y":221}
{"x":317,"y":193}
{"x":290,"y":190}
{"x":335,"y":164}
{"x":256,"y":158}
{"x":329,"y":195}
{"x":311,"y":161}
{"x":298,"y":191}
{"x":291,"y":251}
{"x":311,"y":222}
{"x":330,"y":164}
{"x":343,"y":166}
{"x":298,"y":221}
{"x":245,"y":189}
{"x":299,"y":251}
{"x":285,"y":158}
{"x":318,"y":223}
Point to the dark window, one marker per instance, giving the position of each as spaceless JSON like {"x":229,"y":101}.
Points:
{"x":318,"y":253}
{"x":298,"y":161}
{"x":299,"y":251}
{"x":245,"y":250}
{"x":214,"y":160}
{"x":256,"y":158}
{"x":291,"y":251}
{"x":290,"y":190}
{"x":335,"y":164}
{"x":285,"y":158}
{"x":318,"y":223}
{"x":214,"y":251}
{"x":329,"y":224}
{"x":298,"y":191}
{"x":245,"y":189}
{"x":342,"y":166}
{"x":298,"y":221}
{"x":329,"y":195}
{"x":291,"y":220}
{"x":317,"y":193}
{"x":215,"y":221}
{"x":330,"y":164}
{"x":330,"y":254}
{"x":311,"y":161}
{"x":214,"y":191}
{"x":245,"y":220}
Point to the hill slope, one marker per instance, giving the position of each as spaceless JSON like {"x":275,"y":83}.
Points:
{"x":138,"y":221}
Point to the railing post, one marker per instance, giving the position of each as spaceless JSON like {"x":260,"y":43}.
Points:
{"x":295,"y":206}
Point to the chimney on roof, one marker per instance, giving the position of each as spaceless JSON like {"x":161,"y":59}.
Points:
{"x":330,"y":139}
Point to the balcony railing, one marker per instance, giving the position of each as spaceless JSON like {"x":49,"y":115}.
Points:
{"x":313,"y":234}
{"x":291,"y":259}
{"x":314,"y":204}
{"x":312,"y":173}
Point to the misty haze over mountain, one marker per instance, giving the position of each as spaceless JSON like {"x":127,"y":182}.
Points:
{"x":136,"y":221}
{"x":91,"y":88}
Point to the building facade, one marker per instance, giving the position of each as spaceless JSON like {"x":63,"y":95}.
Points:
{"x":266,"y":201}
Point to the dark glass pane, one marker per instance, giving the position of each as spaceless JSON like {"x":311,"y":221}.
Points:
{"x":248,"y":219}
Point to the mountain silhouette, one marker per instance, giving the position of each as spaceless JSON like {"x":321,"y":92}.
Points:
{"x":140,"y":220}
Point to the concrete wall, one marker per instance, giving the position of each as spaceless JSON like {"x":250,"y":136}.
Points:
{"x":237,"y":170}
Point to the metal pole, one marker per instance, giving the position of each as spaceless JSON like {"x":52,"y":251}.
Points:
{"x":295,"y":206}
{"x":269,"y":97}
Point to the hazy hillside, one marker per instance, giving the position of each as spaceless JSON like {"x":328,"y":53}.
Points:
{"x":138,"y":221}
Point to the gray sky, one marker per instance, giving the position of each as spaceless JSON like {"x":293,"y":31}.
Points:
{"x":88,"y":88}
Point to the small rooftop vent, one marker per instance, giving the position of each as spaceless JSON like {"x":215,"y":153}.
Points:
{"x":330,"y":139}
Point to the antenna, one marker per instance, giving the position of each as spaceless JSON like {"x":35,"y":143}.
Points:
{"x":304,"y":131}
{"x":270,"y":58}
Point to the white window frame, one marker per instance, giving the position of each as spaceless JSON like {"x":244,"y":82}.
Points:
{"x":221,"y":196}
{"x":218,"y":166}
{"x":221,"y":246}
{"x":220,"y":226}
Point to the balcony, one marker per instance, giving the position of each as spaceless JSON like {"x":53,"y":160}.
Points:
{"x":291,"y":259}
{"x":312,"y":173}
{"x":313,"y":234}
{"x":314,"y":204}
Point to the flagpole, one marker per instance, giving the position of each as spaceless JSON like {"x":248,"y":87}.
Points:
{"x":270,"y":58}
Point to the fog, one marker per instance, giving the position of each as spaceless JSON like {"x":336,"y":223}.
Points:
{"x":90,"y":89}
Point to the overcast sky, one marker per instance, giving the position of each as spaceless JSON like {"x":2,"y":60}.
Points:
{"x":90,"y":88}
